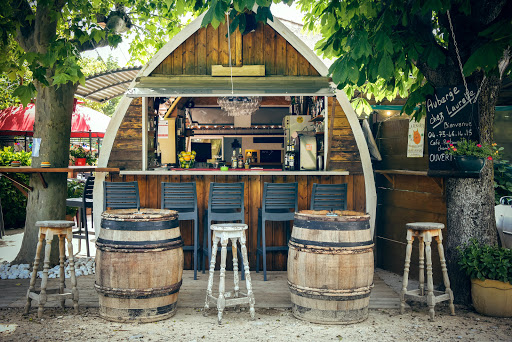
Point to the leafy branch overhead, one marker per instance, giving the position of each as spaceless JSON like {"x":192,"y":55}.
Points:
{"x":79,"y":26}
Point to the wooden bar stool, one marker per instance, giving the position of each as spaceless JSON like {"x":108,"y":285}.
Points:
{"x":425,"y":231}
{"x":223,"y":233}
{"x":47,"y":230}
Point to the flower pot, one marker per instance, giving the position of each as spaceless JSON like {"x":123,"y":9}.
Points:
{"x":469,"y":163}
{"x":492,"y":297}
{"x":80,"y":161}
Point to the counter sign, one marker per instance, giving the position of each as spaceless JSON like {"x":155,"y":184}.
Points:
{"x":451,"y":116}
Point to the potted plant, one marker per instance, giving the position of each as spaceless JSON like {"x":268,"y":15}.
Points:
{"x":81,"y":157}
{"x":470,"y":156}
{"x":490,"y":269}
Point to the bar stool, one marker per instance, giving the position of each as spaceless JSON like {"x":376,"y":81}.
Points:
{"x":182,"y":197}
{"x":225,"y":204}
{"x":47,"y":230}
{"x":223,"y":233}
{"x":279,"y":203}
{"x":329,"y":197}
{"x":425,"y":231}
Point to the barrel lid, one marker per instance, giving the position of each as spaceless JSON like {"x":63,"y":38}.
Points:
{"x":144,"y":214}
{"x":336,"y":215}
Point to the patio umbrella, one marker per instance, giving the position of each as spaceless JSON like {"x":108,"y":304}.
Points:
{"x":20,"y":121}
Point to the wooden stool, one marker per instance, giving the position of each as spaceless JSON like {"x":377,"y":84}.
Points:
{"x":424,"y":231}
{"x":47,"y":230}
{"x":223,"y":233}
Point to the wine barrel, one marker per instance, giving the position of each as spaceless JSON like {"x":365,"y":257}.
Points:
{"x":330,"y":267}
{"x":139,"y":264}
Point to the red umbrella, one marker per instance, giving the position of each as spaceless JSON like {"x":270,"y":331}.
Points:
{"x":20,"y":121}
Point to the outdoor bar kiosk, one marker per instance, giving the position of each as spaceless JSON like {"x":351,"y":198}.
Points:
{"x":173,"y":106}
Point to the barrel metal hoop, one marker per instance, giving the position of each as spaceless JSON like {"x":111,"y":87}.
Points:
{"x":331,"y":225}
{"x":312,"y":244}
{"x":139,"y":226}
{"x":330,"y":294}
{"x":330,"y":250}
{"x":138,"y":246}
{"x":138,"y":293}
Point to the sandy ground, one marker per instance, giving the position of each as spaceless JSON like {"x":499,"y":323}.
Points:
{"x":270,"y":325}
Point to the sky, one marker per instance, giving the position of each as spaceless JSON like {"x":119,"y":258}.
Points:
{"x":122,"y":55}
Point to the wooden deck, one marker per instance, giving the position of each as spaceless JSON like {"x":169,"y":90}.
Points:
{"x":273,"y":293}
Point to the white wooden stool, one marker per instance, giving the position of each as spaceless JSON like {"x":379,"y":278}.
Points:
{"x":425,"y":231}
{"x":47,"y":230}
{"x":223,"y":233}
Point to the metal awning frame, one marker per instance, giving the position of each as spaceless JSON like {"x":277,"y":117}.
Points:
{"x":207,"y":86}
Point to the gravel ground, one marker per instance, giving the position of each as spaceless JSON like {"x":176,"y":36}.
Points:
{"x":270,"y":325}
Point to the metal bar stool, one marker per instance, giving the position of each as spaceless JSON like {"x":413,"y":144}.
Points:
{"x":47,"y":231}
{"x":82,"y":204}
{"x":329,"y":197}
{"x":121,"y":195}
{"x":279,"y":203}
{"x":223,"y":233}
{"x":225,"y":204}
{"x":182,"y":197}
{"x":425,"y":231}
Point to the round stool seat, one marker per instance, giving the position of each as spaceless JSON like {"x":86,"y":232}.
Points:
{"x":424,"y":225}
{"x":228,"y":227}
{"x":55,"y":224}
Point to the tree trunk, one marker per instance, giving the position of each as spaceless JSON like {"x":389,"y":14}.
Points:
{"x":54,"y":107}
{"x":470,"y":202}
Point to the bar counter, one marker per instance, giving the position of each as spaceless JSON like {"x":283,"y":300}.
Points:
{"x":236,"y":172}
{"x":150,"y":197}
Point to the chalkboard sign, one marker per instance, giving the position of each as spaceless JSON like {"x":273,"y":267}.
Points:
{"x":451,"y":116}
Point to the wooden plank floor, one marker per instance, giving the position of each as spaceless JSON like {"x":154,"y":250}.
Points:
{"x":272,"y":293}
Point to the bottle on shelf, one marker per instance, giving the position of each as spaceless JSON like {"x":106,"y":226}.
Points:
{"x":234,"y":160}
{"x":240,"y":159}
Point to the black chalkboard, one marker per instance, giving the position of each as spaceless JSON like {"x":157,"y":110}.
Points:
{"x":451,"y":116}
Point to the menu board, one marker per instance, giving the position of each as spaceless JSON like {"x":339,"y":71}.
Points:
{"x":452,"y":114}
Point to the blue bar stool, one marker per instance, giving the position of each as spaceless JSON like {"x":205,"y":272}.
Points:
{"x":329,"y":197}
{"x":225,"y":204}
{"x":279,"y":204}
{"x":121,"y":195}
{"x":82,"y":204}
{"x":182,"y":197}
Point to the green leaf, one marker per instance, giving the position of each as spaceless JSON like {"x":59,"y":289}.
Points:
{"x":386,"y":67}
{"x":383,"y":43}
{"x":486,"y":57}
{"x":264,"y":3}
{"x":25,"y":93}
{"x":435,"y":57}
{"x":263,"y":14}
{"x":61,"y":78}
{"x":353,"y":71}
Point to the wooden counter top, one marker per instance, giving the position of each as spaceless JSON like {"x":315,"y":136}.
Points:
{"x":30,"y":169}
{"x":5,"y":170}
{"x":237,"y":172}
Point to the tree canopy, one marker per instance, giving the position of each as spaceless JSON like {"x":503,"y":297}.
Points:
{"x":45,"y":38}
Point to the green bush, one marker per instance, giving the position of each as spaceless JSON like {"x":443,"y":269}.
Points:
{"x":502,"y":180}
{"x":14,"y":203}
{"x":486,"y":262}
{"x":75,"y":190}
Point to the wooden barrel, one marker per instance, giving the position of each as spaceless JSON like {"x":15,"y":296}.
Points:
{"x":139,"y":264}
{"x":330,"y":267}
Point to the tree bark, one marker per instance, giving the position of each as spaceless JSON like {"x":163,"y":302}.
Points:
{"x":470,"y":202}
{"x":54,"y":107}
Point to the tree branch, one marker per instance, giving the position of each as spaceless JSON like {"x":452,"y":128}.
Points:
{"x":25,"y":30}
